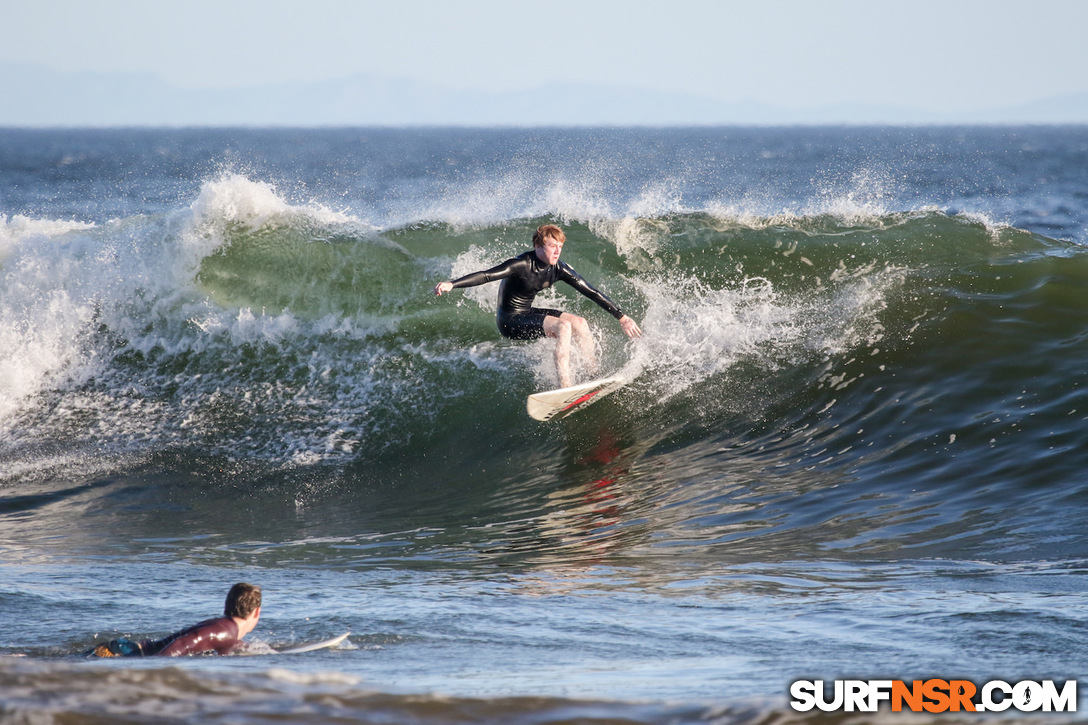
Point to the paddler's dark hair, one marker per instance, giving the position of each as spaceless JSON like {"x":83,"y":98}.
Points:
{"x":242,"y":600}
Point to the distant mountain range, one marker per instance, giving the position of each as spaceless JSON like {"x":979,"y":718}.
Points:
{"x":37,"y":96}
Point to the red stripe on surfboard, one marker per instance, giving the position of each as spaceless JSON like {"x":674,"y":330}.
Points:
{"x":581,"y":400}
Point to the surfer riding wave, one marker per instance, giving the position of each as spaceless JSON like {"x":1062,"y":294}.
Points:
{"x":526,"y":275}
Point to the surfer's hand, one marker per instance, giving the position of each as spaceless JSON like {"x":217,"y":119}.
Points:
{"x":630,"y":327}
{"x":442,"y":287}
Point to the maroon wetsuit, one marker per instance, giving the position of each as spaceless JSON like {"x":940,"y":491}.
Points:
{"x":219,"y":635}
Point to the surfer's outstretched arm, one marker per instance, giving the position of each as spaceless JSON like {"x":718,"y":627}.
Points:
{"x":494,"y":274}
{"x":575,"y":280}
{"x":630,"y":327}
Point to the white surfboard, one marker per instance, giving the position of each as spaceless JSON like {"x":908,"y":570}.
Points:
{"x":315,"y":645}
{"x":564,"y":401}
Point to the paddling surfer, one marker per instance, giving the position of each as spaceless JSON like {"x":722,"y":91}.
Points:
{"x":523,"y":277}
{"x":220,"y":635}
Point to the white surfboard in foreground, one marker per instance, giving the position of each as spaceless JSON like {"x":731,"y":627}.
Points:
{"x":564,"y":401}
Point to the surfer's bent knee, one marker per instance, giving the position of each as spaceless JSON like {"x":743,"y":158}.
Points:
{"x":558,"y":327}
{"x":578,"y":324}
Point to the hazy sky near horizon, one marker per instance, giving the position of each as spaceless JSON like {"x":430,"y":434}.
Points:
{"x":937,"y":55}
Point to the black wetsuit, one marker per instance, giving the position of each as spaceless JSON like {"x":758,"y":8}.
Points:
{"x":522,"y":278}
{"x":219,"y":635}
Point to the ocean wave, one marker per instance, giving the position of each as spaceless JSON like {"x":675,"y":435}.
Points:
{"x":54,"y":693}
{"x":246,"y":327}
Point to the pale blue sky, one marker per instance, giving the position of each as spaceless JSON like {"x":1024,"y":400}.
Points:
{"x":936,"y":55}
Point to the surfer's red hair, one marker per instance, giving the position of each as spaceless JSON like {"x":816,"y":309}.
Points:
{"x":546,"y":232}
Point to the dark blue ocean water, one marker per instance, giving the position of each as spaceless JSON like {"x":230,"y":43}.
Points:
{"x":853,"y":444}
